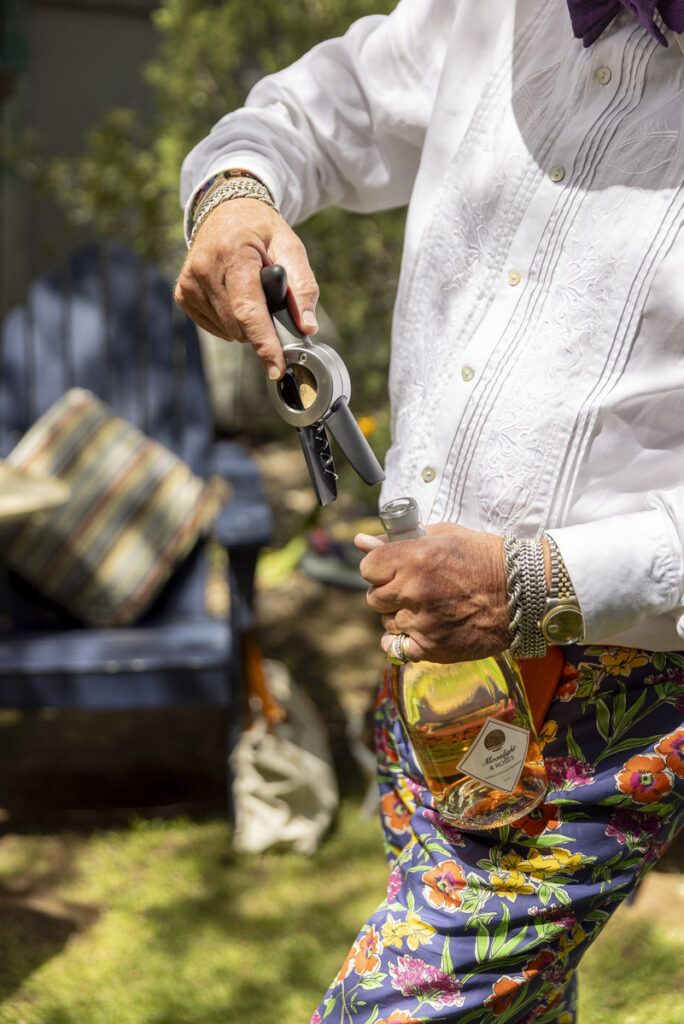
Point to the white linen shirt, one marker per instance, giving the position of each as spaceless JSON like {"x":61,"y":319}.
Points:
{"x":537,"y":369}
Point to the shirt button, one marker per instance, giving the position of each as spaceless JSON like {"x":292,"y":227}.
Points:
{"x":513,"y":277}
{"x":603,"y":76}
{"x":467,"y":373}
{"x":428,"y":474}
{"x":557,"y":173}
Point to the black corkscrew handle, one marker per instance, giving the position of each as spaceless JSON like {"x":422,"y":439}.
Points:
{"x":274,"y":283}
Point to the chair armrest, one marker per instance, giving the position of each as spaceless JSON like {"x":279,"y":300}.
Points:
{"x":246,"y":520}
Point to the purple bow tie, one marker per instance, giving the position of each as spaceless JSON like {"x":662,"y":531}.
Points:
{"x":590,"y":17}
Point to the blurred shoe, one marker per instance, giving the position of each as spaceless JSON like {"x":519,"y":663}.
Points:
{"x":331,"y":557}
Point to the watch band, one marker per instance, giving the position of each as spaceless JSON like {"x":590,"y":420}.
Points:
{"x":562,"y":621}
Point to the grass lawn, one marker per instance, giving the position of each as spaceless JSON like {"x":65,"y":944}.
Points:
{"x":160,"y":922}
{"x":178,"y":928}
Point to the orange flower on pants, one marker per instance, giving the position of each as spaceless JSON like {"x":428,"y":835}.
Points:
{"x":567,"y":684}
{"x":549,"y":1004}
{"x":672,"y":749}
{"x":442,"y":885}
{"x":503,"y":994}
{"x":539,"y":900}
{"x":538,"y":820}
{"x":362,"y":957}
{"x":644,"y":778}
{"x":367,"y":960}
{"x":543,"y":959}
{"x":396,"y":814}
{"x":348,"y":965}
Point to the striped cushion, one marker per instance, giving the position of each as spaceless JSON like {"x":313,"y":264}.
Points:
{"x":135,"y":511}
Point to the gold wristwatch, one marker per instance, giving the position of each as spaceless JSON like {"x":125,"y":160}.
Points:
{"x":562,"y":621}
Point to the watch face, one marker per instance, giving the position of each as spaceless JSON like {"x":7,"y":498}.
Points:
{"x":563,"y":625}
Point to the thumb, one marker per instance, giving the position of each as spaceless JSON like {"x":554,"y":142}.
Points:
{"x":365,"y":542}
{"x":302,"y":287}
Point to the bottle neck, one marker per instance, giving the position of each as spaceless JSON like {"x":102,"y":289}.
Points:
{"x":401,"y":519}
{"x":414,"y":534}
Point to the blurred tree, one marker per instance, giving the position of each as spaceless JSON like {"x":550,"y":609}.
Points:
{"x":12,"y":44}
{"x":125,"y":182}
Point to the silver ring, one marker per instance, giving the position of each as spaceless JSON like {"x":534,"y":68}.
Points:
{"x":398,"y":650}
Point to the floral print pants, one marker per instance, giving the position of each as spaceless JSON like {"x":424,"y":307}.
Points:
{"x":490,"y":926}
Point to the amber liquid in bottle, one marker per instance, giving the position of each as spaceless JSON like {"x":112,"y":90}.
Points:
{"x":468,"y":723}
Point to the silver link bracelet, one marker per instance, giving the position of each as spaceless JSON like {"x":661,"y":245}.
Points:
{"x":526,"y":588}
{"x":239,"y":186}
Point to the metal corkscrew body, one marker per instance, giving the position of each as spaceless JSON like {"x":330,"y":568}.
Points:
{"x":313,"y":397}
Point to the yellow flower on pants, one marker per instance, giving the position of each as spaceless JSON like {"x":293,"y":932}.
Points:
{"x":511,"y":885}
{"x":619,"y":661}
{"x":416,"y":932}
{"x":510,"y":861}
{"x":547,"y":732}
{"x":392,"y":932}
{"x":511,"y":882}
{"x":568,"y":942}
{"x":557,"y":859}
{"x":484,"y":894}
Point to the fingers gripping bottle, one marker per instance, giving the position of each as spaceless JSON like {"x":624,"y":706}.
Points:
{"x":469,"y":723}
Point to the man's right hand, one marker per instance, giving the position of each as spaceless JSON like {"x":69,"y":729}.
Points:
{"x":219,"y":285}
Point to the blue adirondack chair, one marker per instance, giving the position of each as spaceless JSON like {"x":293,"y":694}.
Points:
{"x":108,"y":323}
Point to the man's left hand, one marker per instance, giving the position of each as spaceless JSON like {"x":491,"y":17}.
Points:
{"x":446,"y":591}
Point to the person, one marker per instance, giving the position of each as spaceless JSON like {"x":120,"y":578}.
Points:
{"x":537,"y":394}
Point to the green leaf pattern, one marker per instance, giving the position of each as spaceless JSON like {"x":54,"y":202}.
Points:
{"x":489,"y":926}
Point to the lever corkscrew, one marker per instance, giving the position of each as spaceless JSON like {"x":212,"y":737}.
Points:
{"x":314,"y":395}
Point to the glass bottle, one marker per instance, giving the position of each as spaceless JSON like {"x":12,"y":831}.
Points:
{"x":469,"y":723}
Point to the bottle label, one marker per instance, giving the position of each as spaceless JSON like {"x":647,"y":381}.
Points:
{"x":497,"y":755}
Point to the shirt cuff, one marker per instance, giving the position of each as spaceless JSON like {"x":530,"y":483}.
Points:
{"x":245,"y":161}
{"x":624,"y":569}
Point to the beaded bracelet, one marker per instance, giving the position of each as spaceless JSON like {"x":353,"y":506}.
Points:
{"x":217,"y":179}
{"x":233,"y":184}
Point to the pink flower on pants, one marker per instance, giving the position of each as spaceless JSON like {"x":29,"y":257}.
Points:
{"x":394,"y":884}
{"x":414,"y":978}
{"x":633,"y":828}
{"x":568,"y":772}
